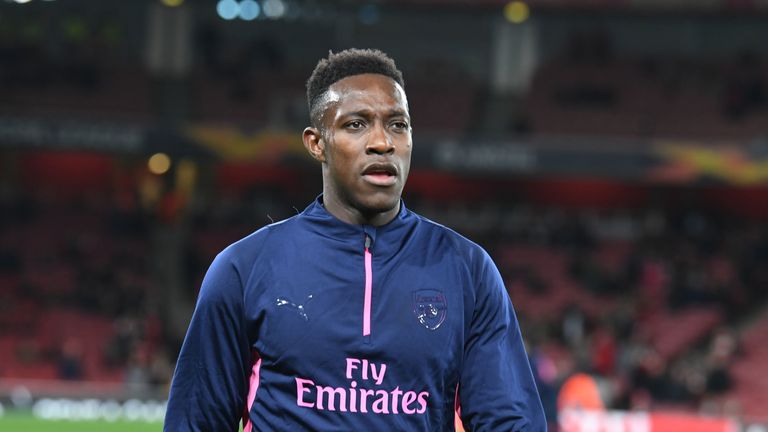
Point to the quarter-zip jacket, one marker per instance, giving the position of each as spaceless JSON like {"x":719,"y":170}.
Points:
{"x":318,"y":325}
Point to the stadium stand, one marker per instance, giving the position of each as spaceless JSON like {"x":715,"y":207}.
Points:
{"x":662,"y":302}
{"x":63,"y":289}
{"x":658,"y":97}
{"x":750,"y":389}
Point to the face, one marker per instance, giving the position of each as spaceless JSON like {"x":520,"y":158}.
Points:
{"x":365,"y":148}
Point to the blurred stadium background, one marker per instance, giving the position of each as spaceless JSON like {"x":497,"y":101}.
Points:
{"x":612,"y":155}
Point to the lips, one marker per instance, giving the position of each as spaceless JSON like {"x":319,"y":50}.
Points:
{"x":380,"y":174}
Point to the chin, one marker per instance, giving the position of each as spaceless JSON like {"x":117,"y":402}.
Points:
{"x":375,"y":205}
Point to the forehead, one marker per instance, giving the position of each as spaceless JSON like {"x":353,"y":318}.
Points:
{"x":367,"y":92}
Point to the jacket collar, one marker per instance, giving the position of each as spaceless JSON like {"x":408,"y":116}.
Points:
{"x":383,"y":237}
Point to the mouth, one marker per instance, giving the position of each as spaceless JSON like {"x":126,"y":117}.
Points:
{"x":380,"y":174}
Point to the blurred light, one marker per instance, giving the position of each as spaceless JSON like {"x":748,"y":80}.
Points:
{"x":186,"y":174}
{"x":228,"y":9}
{"x":21,"y":396}
{"x":516,"y":12}
{"x":369,"y":14}
{"x":22,"y":1}
{"x":159,"y":163}
{"x":249,"y":10}
{"x":274,"y":8}
{"x":172,"y":3}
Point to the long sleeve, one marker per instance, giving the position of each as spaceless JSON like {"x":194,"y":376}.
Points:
{"x":497,"y":391}
{"x":209,"y":385}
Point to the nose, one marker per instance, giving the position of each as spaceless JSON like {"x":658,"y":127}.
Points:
{"x":379,"y":141}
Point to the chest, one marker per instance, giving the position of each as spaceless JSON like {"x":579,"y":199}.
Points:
{"x":407,"y":310}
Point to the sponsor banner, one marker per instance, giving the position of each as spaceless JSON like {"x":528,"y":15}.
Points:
{"x":654,"y":161}
{"x":236,"y":144}
{"x":96,"y":409}
{"x":658,"y":161}
{"x":755,"y":427}
{"x":620,"y":421}
{"x":537,"y":156}
{"x":71,"y":135}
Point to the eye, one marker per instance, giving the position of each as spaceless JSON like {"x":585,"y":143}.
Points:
{"x":354,"y":124}
{"x":400,"y":125}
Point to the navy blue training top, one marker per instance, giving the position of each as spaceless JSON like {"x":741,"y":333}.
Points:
{"x":319,"y":325}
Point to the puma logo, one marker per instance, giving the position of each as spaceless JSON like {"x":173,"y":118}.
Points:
{"x":298,"y":308}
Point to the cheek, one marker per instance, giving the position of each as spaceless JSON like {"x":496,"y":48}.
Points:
{"x":407,"y":150}
{"x":341,"y":162}
{"x":346,"y":154}
{"x":407,"y":143}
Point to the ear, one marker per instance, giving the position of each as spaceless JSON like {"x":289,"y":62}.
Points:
{"x":313,"y":141}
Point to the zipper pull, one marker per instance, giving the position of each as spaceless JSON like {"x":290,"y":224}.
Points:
{"x":368,"y":284}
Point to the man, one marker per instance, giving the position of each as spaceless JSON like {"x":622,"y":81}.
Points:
{"x":357,"y":314}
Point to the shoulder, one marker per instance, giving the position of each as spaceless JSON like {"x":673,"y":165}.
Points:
{"x":472,"y":253}
{"x":248,"y":249}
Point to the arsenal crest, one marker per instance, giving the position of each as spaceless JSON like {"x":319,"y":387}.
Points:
{"x":430,"y":308}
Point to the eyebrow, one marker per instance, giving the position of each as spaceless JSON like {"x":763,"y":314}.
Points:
{"x":367,"y":113}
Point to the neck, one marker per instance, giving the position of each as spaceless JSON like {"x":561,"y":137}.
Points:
{"x":355,"y":216}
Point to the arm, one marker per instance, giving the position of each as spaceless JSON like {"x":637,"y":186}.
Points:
{"x":497,"y":391}
{"x":210,"y":382}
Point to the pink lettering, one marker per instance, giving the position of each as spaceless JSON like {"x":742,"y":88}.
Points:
{"x":408,"y":399}
{"x":378,"y":375}
{"x":381,"y":405}
{"x":351,"y":364}
{"x":300,"y":390}
{"x":422,"y":402}
{"x":353,"y":396}
{"x":395,"y":394}
{"x":364,"y":393}
{"x":332,"y":392}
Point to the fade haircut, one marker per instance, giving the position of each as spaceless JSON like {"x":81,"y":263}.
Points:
{"x":343,"y":64}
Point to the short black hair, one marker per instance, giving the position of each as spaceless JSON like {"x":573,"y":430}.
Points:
{"x":343,"y":64}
